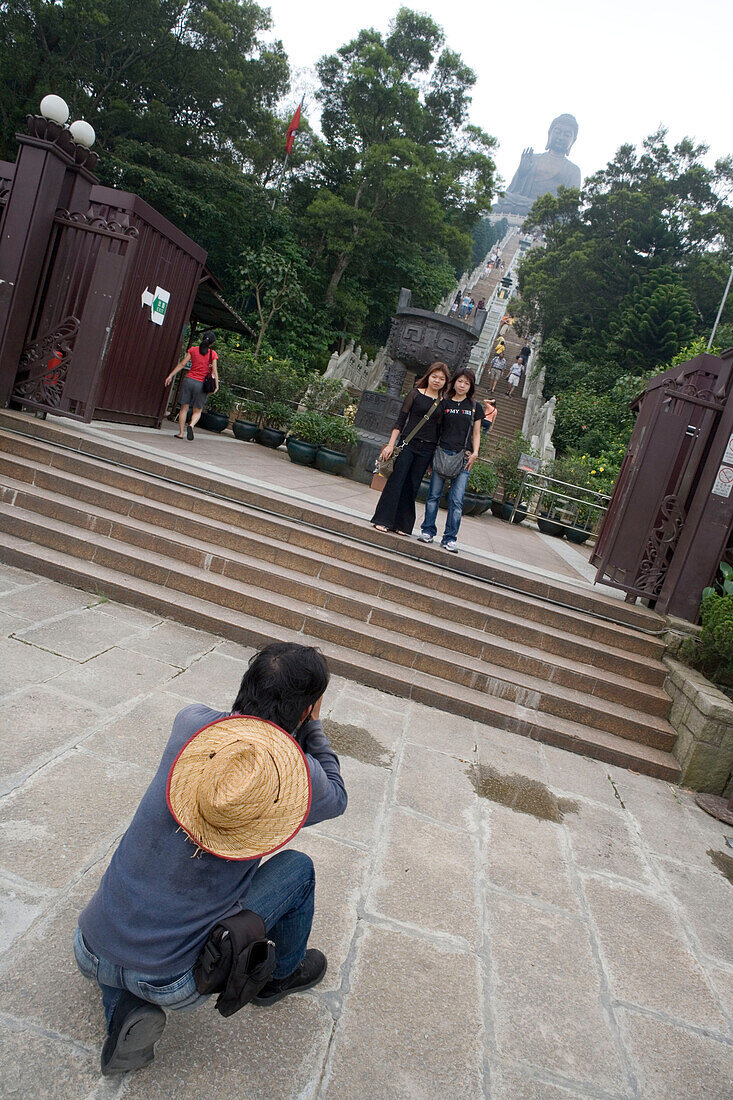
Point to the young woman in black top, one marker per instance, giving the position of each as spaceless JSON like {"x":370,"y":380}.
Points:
{"x":395,"y":510}
{"x":460,"y":430}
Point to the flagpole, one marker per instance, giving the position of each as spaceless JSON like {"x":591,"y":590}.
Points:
{"x":287,"y":153}
{"x":280,"y":181}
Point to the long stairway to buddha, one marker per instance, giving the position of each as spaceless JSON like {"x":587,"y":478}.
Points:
{"x":511,"y":649}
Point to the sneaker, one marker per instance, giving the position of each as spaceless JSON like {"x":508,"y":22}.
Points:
{"x":135,"y":1029}
{"x":310,"y":972}
{"x":451,"y":545}
{"x":424,"y":537}
{"x":189,"y":432}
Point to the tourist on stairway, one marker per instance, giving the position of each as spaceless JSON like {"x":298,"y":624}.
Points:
{"x":498,"y":366}
{"x":460,"y":434}
{"x":490,"y":414}
{"x":203,"y":360}
{"x":515,"y":376}
{"x":396,"y":508}
{"x":230,"y":789}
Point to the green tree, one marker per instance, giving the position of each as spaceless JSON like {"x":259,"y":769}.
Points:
{"x":193,"y":77}
{"x":658,"y":212}
{"x":400,"y":177}
{"x":655,"y":320}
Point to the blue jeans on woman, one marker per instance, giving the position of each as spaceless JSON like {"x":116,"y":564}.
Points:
{"x":455,"y":504}
{"x":281,"y":892}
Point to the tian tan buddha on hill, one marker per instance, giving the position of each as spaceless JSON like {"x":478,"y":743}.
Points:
{"x":539,"y":173}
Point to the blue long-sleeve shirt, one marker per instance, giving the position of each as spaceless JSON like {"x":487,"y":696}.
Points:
{"x":160,"y":896}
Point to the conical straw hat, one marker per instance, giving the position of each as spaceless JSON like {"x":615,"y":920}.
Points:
{"x":240,"y":788}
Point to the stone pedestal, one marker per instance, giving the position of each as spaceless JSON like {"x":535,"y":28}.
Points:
{"x":374,"y":421}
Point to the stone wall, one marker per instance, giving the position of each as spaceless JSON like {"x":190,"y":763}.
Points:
{"x":702,"y":718}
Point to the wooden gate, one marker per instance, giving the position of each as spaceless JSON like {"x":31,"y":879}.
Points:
{"x":73,"y":313}
{"x":678,"y":416}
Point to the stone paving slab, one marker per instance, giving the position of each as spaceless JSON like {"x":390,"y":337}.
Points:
{"x":475,"y":950}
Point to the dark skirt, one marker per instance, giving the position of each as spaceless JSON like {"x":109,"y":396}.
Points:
{"x":396,"y":506}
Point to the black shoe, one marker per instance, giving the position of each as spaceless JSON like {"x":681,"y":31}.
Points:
{"x":310,"y":972}
{"x":135,"y":1029}
{"x":189,"y":432}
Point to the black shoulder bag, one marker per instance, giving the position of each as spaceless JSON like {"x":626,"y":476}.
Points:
{"x":447,"y":465}
{"x":384,"y":467}
{"x":236,"y":961}
{"x":209,"y":383}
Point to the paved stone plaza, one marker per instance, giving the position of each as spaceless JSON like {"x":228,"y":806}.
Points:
{"x":502,"y":919}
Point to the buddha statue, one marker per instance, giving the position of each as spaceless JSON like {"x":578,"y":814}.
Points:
{"x":539,"y":173}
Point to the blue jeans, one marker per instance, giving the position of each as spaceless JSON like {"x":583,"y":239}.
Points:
{"x":281,"y":892}
{"x":455,"y":504}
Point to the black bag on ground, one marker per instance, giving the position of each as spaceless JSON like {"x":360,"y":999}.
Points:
{"x":236,"y":961}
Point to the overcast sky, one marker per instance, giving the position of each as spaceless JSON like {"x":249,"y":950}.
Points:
{"x":620,"y":67}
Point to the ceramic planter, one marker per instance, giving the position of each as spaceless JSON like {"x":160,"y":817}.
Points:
{"x":213,"y":421}
{"x":331,"y":462}
{"x":578,"y":535}
{"x":497,"y":509}
{"x":302,"y":453}
{"x":483,"y":503}
{"x":470,"y":503}
{"x":245,"y":430}
{"x":550,"y":526}
{"x":506,"y":511}
{"x":270,"y":437}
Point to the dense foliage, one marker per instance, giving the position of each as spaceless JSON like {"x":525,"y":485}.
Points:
{"x":628,"y":284}
{"x":711,"y":651}
{"x":187,"y":100}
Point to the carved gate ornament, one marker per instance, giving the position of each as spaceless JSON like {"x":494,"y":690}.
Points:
{"x":44,"y":365}
{"x":658,"y":550}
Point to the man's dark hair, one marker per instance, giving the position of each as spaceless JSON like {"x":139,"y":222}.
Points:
{"x":282,"y":680}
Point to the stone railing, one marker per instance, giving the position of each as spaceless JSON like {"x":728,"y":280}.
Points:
{"x":355,"y":368}
{"x":539,"y":415}
{"x":702,"y":718}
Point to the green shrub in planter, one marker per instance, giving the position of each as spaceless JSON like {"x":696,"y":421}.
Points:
{"x":483,"y":479}
{"x":507,"y":458}
{"x":310,"y":427}
{"x":325,"y":395}
{"x":223,"y":401}
{"x":278,"y":415}
{"x":340,"y":435}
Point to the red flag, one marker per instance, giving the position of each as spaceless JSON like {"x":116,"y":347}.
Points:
{"x":292,"y":128}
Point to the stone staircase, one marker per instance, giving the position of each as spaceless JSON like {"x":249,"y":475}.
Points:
{"x":510,"y":649}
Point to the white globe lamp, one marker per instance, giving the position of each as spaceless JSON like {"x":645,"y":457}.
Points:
{"x":82,"y":133}
{"x":55,"y":109}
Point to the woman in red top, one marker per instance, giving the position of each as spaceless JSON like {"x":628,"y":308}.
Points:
{"x":202,"y":359}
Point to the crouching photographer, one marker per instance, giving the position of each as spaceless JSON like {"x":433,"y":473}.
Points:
{"x":186,"y":907}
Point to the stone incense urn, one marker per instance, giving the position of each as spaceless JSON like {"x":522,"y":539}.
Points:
{"x":417,"y":339}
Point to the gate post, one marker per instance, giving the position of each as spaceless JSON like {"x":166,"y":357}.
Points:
{"x":51,"y":171}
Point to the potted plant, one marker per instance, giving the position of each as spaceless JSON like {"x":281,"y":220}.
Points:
{"x":507,"y":460}
{"x":581,"y":530}
{"x":276,"y":419}
{"x":249,"y":414}
{"x":482,"y":482}
{"x":340,"y":437}
{"x":219,"y":405}
{"x":307,"y":433}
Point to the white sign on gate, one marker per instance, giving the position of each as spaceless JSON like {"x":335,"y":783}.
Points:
{"x":723,"y":481}
{"x":158,"y":303}
{"x":728,"y":456}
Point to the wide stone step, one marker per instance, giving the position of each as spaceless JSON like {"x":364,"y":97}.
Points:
{"x":215,"y":578}
{"x":565,"y":594}
{"x":361,"y":568}
{"x":364,"y":668}
{"x":295,"y":580}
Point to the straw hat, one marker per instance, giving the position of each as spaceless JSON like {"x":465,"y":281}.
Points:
{"x":240,"y":788}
